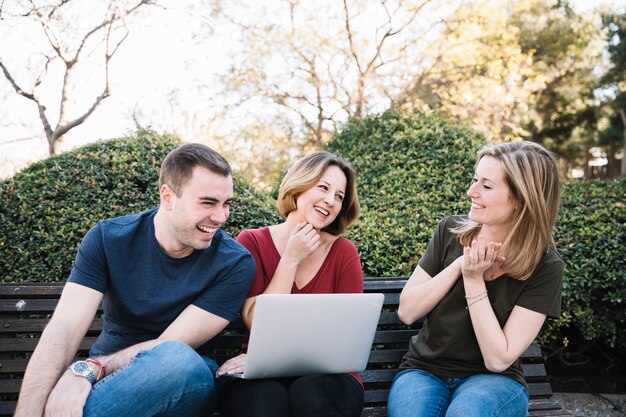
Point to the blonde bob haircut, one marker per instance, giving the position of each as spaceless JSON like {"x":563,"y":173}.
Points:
{"x":305,"y":174}
{"x":532,"y":176}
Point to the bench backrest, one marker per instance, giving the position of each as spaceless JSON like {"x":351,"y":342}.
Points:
{"x":25,"y":310}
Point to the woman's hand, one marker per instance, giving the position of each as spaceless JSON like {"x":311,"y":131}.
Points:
{"x":479,"y":258}
{"x":234,"y":365}
{"x":303,"y":241}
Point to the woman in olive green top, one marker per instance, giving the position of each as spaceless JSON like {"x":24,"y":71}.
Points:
{"x":486,"y":284}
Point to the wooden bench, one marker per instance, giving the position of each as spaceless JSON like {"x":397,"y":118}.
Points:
{"x":25,"y":309}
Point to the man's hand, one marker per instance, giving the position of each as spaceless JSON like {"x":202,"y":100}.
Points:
{"x":68,"y":396}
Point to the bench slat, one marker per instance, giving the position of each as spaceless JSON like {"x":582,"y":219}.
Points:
{"x":553,"y":411}
{"x":27,"y":305}
{"x":28,"y":345}
{"x":23,"y":325}
{"x":26,"y":290}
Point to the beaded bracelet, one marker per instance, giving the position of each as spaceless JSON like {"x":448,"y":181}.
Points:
{"x":103,"y":368}
{"x":475,"y":301}
{"x":473,"y":297}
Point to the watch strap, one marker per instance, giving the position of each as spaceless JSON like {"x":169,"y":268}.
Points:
{"x":83,"y":369}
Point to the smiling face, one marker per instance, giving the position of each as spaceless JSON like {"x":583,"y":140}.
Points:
{"x":320,"y":205}
{"x":493,"y":204}
{"x":197,"y":213}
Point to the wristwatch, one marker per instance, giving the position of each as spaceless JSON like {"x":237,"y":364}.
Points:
{"x":82,"y":368}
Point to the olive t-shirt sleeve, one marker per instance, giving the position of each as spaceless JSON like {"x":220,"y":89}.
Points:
{"x":443,"y":248}
{"x":543,"y":290}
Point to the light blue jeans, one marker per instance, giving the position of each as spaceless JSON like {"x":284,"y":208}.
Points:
{"x":169,"y":380}
{"x":417,"y":393}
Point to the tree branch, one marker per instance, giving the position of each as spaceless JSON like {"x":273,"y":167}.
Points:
{"x":16,"y":87}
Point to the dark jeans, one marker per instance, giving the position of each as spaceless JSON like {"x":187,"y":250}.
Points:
{"x":307,"y":396}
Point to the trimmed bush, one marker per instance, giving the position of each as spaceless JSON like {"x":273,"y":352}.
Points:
{"x":591,"y":237}
{"x":47,"y":208}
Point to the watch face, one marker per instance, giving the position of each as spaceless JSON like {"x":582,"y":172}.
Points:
{"x":82,"y":368}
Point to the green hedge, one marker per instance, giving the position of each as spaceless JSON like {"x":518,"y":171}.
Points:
{"x":591,"y":237}
{"x":47,"y":208}
{"x":414,"y":169}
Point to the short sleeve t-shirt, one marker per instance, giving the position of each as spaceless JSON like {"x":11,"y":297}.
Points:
{"x":145,"y":289}
{"x":447,"y":346}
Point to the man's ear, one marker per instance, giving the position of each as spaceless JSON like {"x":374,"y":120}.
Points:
{"x":167,"y":195}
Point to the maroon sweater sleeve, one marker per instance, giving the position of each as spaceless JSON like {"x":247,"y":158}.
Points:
{"x":259,"y":244}
{"x":347,"y":267}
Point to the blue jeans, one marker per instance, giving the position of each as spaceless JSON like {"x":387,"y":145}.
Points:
{"x":171,"y":379}
{"x":417,"y":393}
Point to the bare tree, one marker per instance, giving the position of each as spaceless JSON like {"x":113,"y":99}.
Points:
{"x":323,"y":62}
{"x":68,"y":45}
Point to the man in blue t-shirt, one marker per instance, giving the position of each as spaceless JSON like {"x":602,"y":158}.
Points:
{"x":169,"y":280}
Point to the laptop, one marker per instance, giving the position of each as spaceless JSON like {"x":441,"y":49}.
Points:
{"x":303,"y":334}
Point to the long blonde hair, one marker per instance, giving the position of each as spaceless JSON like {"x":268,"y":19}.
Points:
{"x":532,"y":176}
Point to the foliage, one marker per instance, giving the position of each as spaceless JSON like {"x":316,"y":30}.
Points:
{"x":48,"y":207}
{"x":566,"y":48}
{"x":412,"y":171}
{"x":511,"y":70}
{"x":613,"y":109}
{"x":591,"y":237}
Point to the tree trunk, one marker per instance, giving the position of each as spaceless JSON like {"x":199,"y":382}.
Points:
{"x":587,"y":167}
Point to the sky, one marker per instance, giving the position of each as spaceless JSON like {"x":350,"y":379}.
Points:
{"x":156,"y":74}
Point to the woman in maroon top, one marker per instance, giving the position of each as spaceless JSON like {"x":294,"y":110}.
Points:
{"x":303,"y":255}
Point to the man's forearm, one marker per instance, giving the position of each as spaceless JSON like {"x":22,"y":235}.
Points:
{"x":45,"y":367}
{"x":118,"y":360}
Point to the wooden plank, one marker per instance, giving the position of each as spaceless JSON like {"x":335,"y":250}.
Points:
{"x":394,"y":336}
{"x":392,"y":356}
{"x":391,"y":299}
{"x":28,"y":325}
{"x":28,"y":344}
{"x":7,"y":408}
{"x":550,"y":413}
{"x":13,"y":366}
{"x":10,"y":386}
{"x":390,"y":318}
{"x":29,"y":290}
{"x":378,"y":375}
{"x":228,"y":341}
{"x":533,"y":351}
{"x":543,"y":404}
{"x":27,"y":305}
{"x":539,"y":390}
{"x":376,"y":396}
{"x":374,"y":412}
{"x":534,"y":372}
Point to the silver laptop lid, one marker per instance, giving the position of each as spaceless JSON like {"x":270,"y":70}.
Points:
{"x":302,"y":334}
